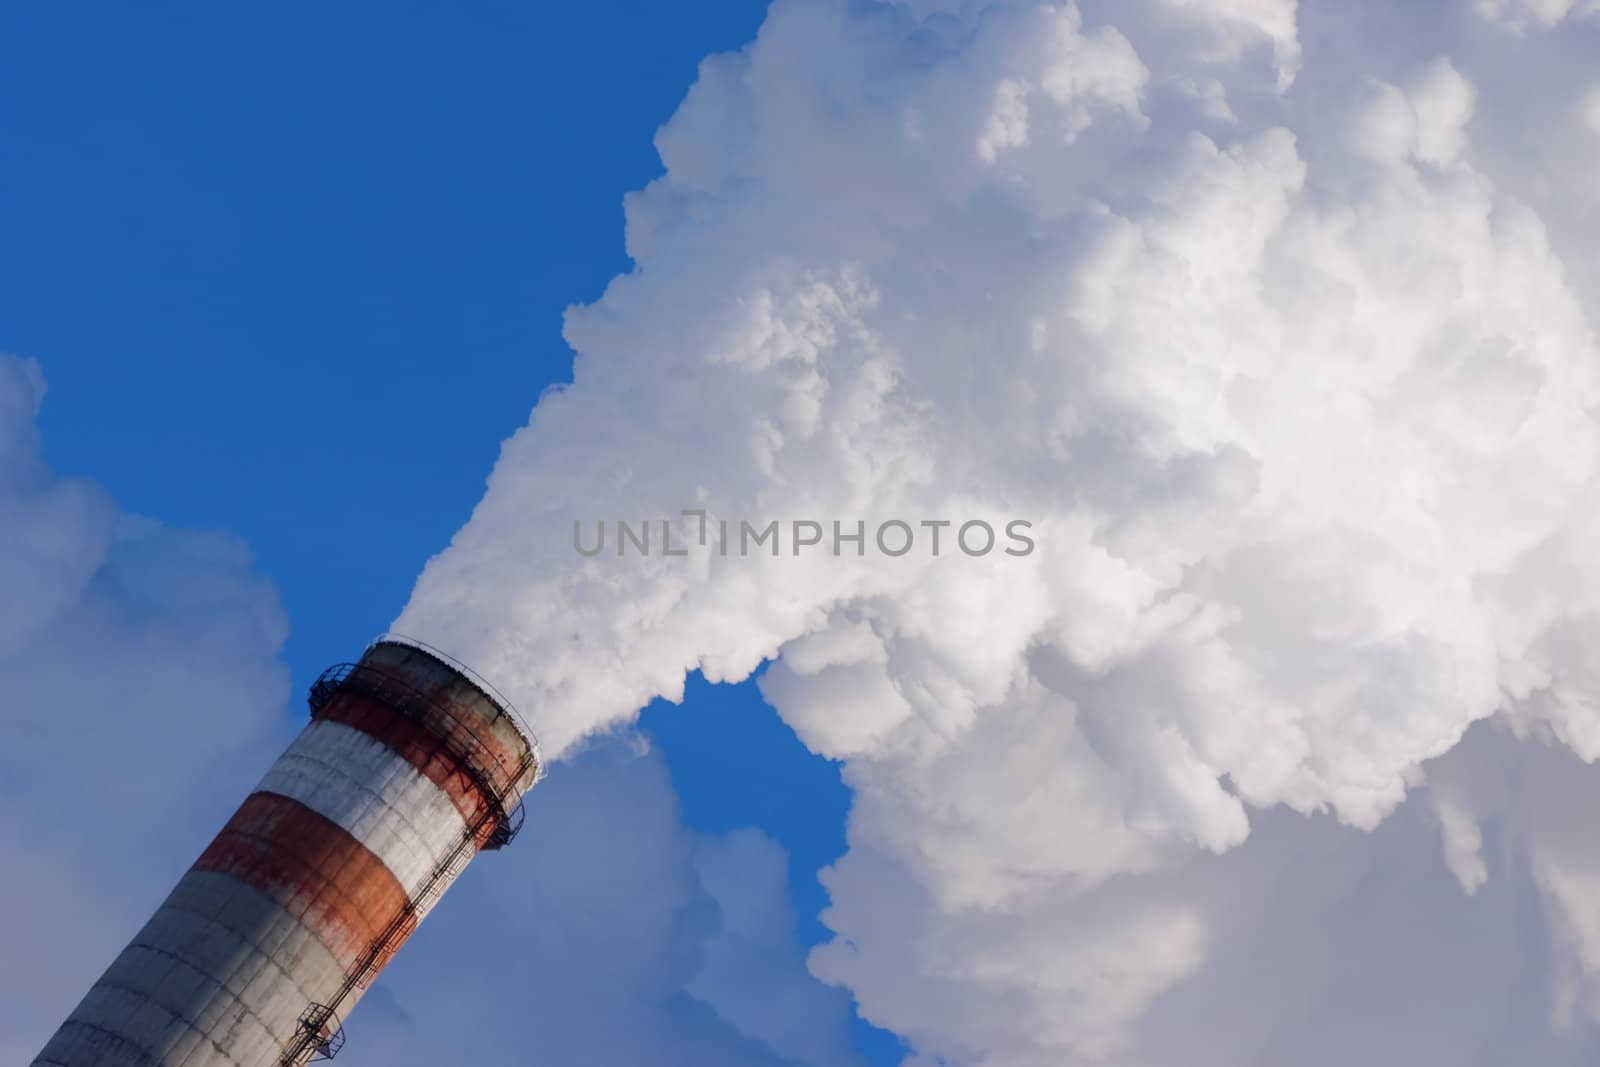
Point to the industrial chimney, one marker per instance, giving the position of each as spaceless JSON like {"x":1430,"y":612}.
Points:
{"x":409,"y":766}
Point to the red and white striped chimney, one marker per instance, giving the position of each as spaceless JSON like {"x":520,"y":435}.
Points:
{"x":408,"y":768}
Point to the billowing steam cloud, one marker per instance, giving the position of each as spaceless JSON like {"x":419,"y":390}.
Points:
{"x":1270,"y":322}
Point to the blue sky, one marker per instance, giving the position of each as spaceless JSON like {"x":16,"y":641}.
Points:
{"x":297,"y":276}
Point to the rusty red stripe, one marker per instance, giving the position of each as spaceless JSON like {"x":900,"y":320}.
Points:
{"x":315,"y":870}
{"x":421,"y":748}
{"x":505,"y":754}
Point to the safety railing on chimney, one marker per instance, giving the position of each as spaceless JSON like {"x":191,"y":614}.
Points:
{"x":476,"y":679}
{"x":322,"y":1031}
{"x":497,"y":777}
{"x":310,"y":1041}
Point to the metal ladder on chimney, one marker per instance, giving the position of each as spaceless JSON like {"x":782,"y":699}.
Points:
{"x":319,"y":1035}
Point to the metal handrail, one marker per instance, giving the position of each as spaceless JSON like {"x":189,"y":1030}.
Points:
{"x":321,"y":1031}
{"x":483,"y":761}
{"x":308,"y":1042}
{"x":313,"y":1041}
{"x":517,"y":718}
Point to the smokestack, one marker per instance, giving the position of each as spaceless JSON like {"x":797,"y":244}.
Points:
{"x":410,"y":766}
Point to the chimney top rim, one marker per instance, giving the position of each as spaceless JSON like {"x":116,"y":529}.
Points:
{"x":493,"y":695}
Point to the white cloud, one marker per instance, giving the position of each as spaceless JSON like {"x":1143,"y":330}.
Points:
{"x":1232,"y":26}
{"x":142,"y":685}
{"x":610,"y":933}
{"x":1540,"y":14}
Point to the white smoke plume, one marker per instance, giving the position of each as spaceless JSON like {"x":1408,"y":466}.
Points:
{"x":143,"y":685}
{"x":1275,"y":324}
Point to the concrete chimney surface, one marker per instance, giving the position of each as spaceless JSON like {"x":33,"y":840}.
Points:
{"x":409,"y":767}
